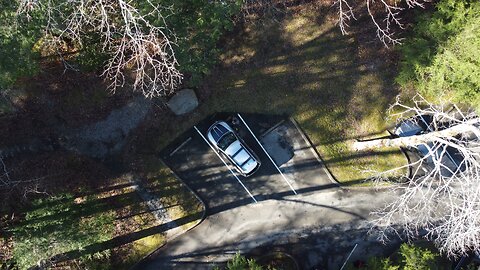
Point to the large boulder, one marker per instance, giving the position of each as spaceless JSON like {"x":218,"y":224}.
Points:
{"x":183,"y":102}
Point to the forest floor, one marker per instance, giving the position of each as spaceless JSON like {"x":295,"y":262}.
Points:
{"x":78,"y":182}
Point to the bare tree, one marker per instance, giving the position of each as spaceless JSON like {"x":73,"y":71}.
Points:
{"x":134,"y":44}
{"x":143,"y":53}
{"x":385,"y":15}
{"x":385,"y":25}
{"x":439,"y":199}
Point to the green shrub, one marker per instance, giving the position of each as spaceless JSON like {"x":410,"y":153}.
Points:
{"x":195,"y":26}
{"x":375,"y":263}
{"x":412,"y":257}
{"x":239,"y":262}
{"x":17,"y":39}
{"x":441,"y":57}
{"x":417,"y":258}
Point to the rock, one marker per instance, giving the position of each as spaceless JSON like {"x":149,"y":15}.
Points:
{"x":183,"y":102}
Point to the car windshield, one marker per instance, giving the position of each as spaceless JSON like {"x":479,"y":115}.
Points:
{"x":226,"y":140}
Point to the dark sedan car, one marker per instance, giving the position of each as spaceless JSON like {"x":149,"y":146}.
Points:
{"x":450,"y":158}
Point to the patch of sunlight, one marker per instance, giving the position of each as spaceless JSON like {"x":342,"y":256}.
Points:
{"x":304,"y":113}
{"x":371,"y":83}
{"x":372,"y":125}
{"x":178,"y":201}
{"x":45,"y":47}
{"x":280,"y":58}
{"x":242,"y":54}
{"x":363,"y":68}
{"x":144,"y":246}
{"x":109,"y":192}
{"x":16,"y":98}
{"x":311,"y":86}
{"x":314,"y":63}
{"x":303,"y":29}
{"x":368,"y":103}
{"x":350,"y":171}
{"x":334,"y":58}
{"x":239,"y":83}
{"x":148,"y":243}
{"x":190,"y":224}
{"x":271,"y":70}
{"x":383,"y":160}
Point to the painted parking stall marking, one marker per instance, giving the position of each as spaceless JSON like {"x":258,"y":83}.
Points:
{"x":225,"y":163}
{"x":269,"y":157}
{"x":180,"y":146}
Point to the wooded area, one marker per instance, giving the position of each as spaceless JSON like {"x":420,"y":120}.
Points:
{"x":336,"y":66}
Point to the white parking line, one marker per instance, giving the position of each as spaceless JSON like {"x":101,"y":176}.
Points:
{"x":264,"y":150}
{"x":218,"y":155}
{"x":180,"y":146}
{"x":351,"y":252}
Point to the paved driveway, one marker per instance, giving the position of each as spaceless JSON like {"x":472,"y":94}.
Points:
{"x":318,"y":229}
{"x":193,"y":161}
{"x":319,"y":226}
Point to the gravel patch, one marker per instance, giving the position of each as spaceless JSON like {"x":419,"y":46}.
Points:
{"x":107,"y":137}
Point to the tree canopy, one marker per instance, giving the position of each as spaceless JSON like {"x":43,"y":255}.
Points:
{"x":198,"y":26}
{"x":149,"y":44}
{"x":441,"y":57}
{"x":17,"y":40}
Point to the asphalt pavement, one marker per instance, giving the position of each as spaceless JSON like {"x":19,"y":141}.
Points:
{"x":200,"y":168}
{"x":319,"y":225}
{"x":318,"y":229}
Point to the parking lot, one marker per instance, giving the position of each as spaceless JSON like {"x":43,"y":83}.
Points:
{"x":192,"y":159}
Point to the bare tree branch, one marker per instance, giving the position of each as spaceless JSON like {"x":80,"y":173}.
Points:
{"x":442,"y":136}
{"x":385,"y":34}
{"x":384,"y":26}
{"x":439,"y":199}
{"x":345,"y":14}
{"x":9,"y":183}
{"x":135,"y":45}
{"x":5,"y":177}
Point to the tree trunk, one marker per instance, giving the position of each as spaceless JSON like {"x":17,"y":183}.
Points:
{"x":464,"y":128}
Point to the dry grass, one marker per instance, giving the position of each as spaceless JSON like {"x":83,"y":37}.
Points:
{"x":337,"y":87}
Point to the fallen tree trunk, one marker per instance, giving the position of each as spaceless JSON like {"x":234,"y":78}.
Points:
{"x":468,"y":127}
